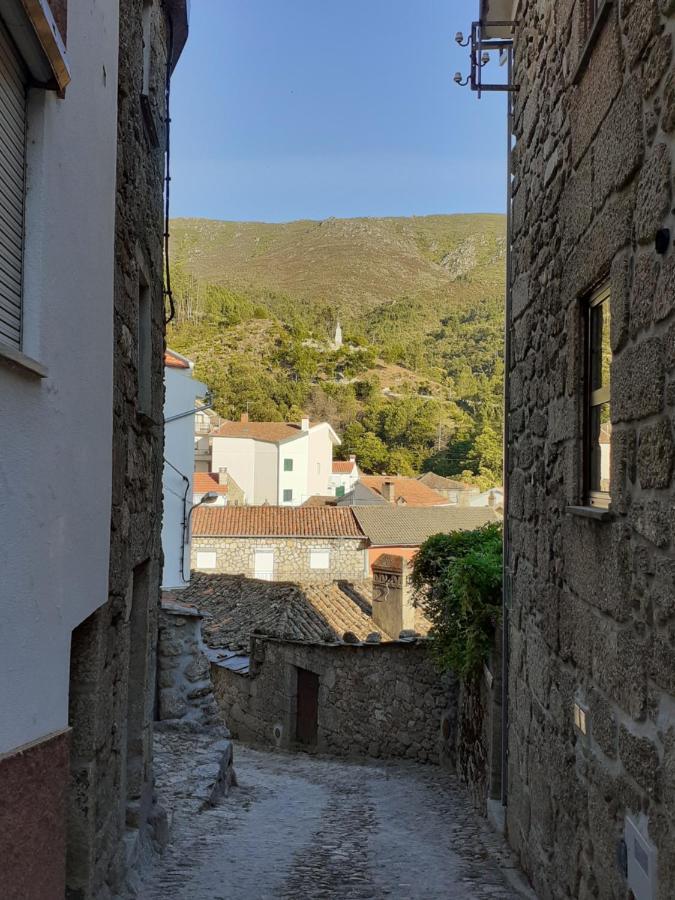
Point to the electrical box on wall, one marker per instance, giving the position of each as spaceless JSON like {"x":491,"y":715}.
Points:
{"x":641,"y":862}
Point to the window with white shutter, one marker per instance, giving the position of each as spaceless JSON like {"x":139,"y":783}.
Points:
{"x":13,"y":86}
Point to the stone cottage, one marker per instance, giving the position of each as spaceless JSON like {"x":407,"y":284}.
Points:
{"x":83,"y":133}
{"x":590,"y":558}
{"x":275,"y":543}
{"x":312,"y":666}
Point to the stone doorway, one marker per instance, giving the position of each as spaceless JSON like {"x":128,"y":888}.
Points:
{"x":307,"y":710}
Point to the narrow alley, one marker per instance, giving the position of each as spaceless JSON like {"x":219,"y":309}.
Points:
{"x":297,"y":826}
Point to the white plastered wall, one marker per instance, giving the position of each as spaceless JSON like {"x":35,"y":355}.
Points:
{"x":296,"y":481}
{"x":56,"y":432}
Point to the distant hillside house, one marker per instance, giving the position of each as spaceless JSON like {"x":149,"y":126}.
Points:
{"x":279,"y":463}
{"x":402,"y":531}
{"x":220,"y":483}
{"x":397,"y":490}
{"x":206,"y":422}
{"x":344,"y":475}
{"x":457,"y":492}
{"x":274,"y":543}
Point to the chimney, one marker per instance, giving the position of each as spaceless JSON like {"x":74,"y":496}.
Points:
{"x":389,"y":491}
{"x":244,"y":417}
{"x":304,"y":425}
{"x":222,"y":475}
{"x":393,"y":610}
{"x":352,"y":458}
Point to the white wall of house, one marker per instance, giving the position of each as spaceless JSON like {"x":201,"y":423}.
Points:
{"x":56,"y":432}
{"x":181,"y":392}
{"x":237,"y":455}
{"x":343,"y":480}
{"x":296,"y":451}
{"x":265,"y":463}
{"x":321,"y":438}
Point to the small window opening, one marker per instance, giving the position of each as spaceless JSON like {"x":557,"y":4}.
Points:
{"x":597,"y":425}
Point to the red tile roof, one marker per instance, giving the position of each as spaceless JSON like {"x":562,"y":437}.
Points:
{"x":408,"y":491}
{"x":276,"y":521}
{"x":174,"y":362}
{"x":270,"y":432}
{"x":203,"y":482}
{"x":342,"y":467}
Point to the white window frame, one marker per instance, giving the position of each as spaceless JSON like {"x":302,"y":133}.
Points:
{"x":200,"y":562}
{"x":319,"y":554}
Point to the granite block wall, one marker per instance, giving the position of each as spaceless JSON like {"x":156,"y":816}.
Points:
{"x":375,"y":700}
{"x":593,"y":612}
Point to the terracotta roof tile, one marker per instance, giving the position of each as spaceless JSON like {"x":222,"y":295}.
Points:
{"x":276,"y":521}
{"x":269,"y":432}
{"x":342,"y":467}
{"x":238,"y":606}
{"x":205,"y":482}
{"x":408,"y":491}
{"x":174,"y":362}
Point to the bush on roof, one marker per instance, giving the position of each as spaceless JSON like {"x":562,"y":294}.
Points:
{"x":458,"y":579}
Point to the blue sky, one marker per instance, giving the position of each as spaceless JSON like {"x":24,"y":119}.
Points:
{"x":289,"y":109}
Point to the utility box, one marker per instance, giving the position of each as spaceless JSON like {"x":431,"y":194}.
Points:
{"x":641,"y":859}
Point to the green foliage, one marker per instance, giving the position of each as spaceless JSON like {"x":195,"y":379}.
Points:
{"x":459,"y":577}
{"x":420,"y":372}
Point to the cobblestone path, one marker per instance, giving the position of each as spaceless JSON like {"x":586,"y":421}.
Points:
{"x":309,"y":828}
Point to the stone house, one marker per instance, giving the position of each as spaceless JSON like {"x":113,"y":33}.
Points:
{"x":457,"y":492}
{"x":82,"y":124}
{"x":275,"y":543}
{"x":308,"y":666}
{"x":590,"y":560}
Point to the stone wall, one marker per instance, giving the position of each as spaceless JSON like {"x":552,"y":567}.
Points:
{"x":184,"y":676}
{"x":113,"y":652}
{"x":593,"y":617}
{"x":236,"y":556}
{"x":376,"y":700}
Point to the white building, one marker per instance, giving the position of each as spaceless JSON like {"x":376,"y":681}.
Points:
{"x":180,"y":399}
{"x":57,"y":238}
{"x":206,"y":421}
{"x":282,"y":464}
{"x":344,"y":475}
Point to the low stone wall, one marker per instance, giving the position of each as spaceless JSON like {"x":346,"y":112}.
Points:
{"x":236,"y":556}
{"x":376,"y":700}
{"x":185,"y":687}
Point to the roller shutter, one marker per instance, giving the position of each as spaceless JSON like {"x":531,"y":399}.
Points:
{"x":13,"y":85}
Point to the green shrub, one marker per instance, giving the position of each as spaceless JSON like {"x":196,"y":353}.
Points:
{"x":458,"y":578}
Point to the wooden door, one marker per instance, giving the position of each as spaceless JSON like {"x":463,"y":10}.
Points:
{"x":307,"y":720}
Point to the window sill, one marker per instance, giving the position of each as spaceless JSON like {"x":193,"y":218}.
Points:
{"x":590,"y":512}
{"x":19,"y":360}
{"x":591,"y":41}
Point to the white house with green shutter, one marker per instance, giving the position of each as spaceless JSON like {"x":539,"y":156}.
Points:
{"x":277,"y":463}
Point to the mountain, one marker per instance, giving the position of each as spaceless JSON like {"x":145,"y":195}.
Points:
{"x":420,"y":300}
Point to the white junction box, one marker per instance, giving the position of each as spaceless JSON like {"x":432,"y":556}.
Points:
{"x":641,"y":859}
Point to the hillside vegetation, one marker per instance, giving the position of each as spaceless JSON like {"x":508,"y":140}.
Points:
{"x":417,"y":383}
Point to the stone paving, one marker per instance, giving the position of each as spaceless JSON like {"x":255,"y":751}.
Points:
{"x":298,"y":827}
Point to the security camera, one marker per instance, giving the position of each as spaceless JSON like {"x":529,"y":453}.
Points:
{"x":459,"y":38}
{"x":458,"y":78}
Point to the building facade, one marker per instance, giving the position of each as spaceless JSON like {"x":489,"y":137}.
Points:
{"x":181,"y":391}
{"x":81,"y":350}
{"x":278,"y":544}
{"x":591,"y":559}
{"x":279,"y":463}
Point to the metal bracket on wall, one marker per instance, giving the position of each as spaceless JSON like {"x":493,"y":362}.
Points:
{"x":479,"y":56}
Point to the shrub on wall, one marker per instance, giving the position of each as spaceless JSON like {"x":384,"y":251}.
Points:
{"x":458,"y":578}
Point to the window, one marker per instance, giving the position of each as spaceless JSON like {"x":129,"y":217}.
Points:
{"x":288,"y":465}
{"x":340,"y":490}
{"x":206,"y":559}
{"x":13,"y":85}
{"x":318,"y":468}
{"x":319,"y":559}
{"x":597,"y":419}
{"x":144,"y":337}
{"x":288,"y":495}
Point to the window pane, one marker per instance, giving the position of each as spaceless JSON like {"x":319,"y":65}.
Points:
{"x":601,"y":352}
{"x":288,"y":465}
{"x":599,"y":448}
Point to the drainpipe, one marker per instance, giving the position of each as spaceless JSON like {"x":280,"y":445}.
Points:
{"x":506,"y":571}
